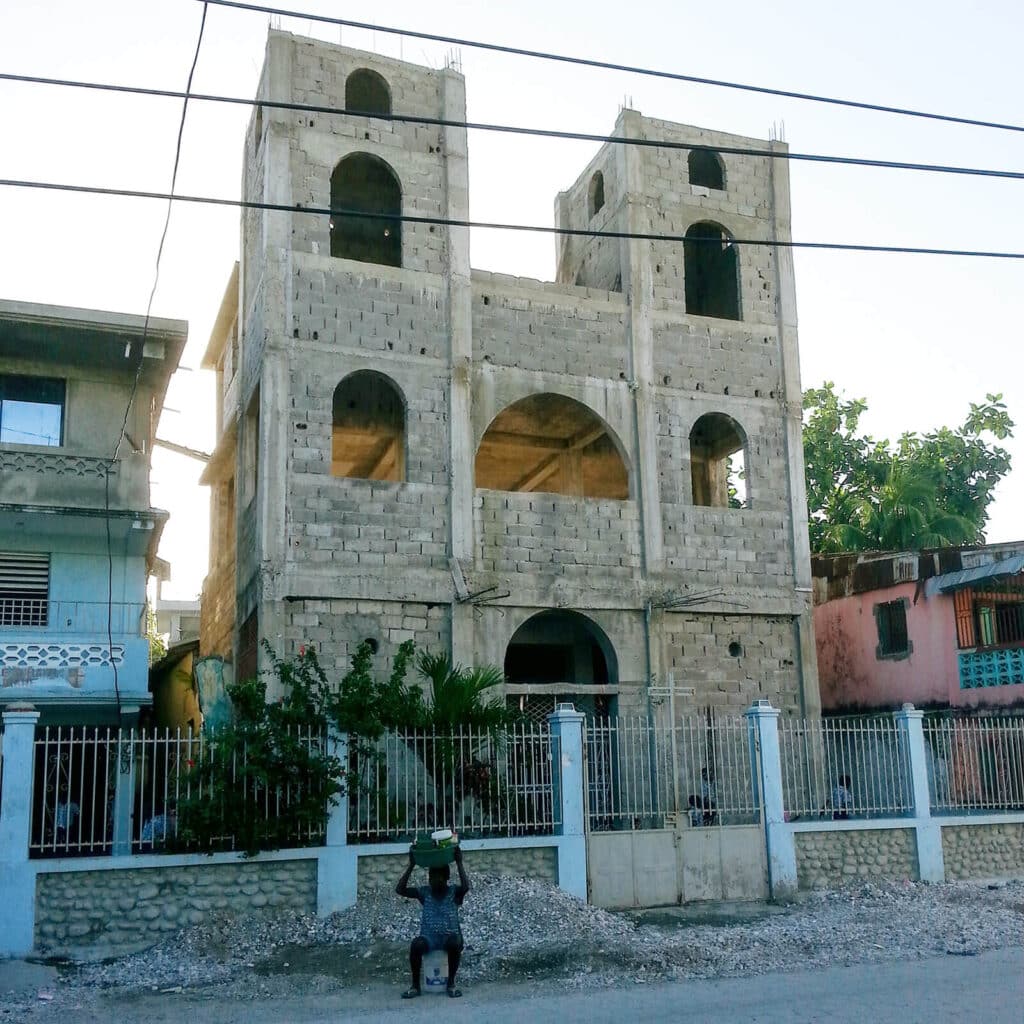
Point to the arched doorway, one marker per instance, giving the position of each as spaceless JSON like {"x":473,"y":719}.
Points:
{"x":561,"y":656}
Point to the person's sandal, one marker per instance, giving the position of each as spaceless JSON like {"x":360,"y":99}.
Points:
{"x":453,"y":992}
{"x":410,"y":993}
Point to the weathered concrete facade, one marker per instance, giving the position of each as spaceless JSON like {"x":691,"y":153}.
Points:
{"x":509,"y":448}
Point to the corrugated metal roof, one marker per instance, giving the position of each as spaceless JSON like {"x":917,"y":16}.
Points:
{"x":965,"y":577}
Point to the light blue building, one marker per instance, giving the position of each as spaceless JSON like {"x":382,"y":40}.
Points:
{"x":80,"y":396}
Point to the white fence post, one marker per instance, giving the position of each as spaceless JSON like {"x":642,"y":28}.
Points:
{"x":337,"y":876}
{"x":930,"y":863}
{"x":766,"y":770}
{"x":124,"y":785}
{"x":17,"y":924}
{"x":567,"y":782}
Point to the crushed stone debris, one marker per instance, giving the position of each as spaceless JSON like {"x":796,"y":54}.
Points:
{"x":517,"y":928}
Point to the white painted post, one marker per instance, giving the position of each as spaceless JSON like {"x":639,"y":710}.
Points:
{"x":17,"y":923}
{"x":337,"y":865}
{"x":124,"y":792}
{"x":567,"y":782}
{"x":766,"y":769}
{"x":930,"y":863}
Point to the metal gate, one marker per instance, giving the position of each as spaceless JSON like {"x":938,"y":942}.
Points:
{"x":672,"y":813}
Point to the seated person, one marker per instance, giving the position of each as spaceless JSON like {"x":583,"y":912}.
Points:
{"x":439,"y":922}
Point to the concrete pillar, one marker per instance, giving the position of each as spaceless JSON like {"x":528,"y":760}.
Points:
{"x":337,"y":875}
{"x":567,"y":782}
{"x":17,"y":923}
{"x":930,"y":863}
{"x":460,"y":333}
{"x":789,"y":356}
{"x":766,"y":770}
{"x":124,"y":792}
{"x":638,"y":282}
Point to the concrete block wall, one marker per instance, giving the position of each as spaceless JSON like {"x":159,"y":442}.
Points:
{"x":338,"y":626}
{"x":461,"y":346}
{"x":696,"y":649}
{"x":552,"y":533}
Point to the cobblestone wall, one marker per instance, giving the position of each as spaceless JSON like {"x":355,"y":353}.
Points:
{"x":983,"y":851}
{"x":540,"y":862}
{"x":132,"y":908}
{"x":828,"y":860}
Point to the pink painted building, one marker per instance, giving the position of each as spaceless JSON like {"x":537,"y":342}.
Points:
{"x":940,"y":628}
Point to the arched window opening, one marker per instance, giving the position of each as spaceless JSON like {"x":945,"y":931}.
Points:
{"x":366,"y":92}
{"x":362,"y":184}
{"x":368,"y":438}
{"x":595,"y":194}
{"x":551,"y":444}
{"x":718,"y":462}
{"x":706,"y":168}
{"x":558,"y":656}
{"x":711,"y":272}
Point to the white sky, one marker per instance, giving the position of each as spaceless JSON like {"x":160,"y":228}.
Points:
{"x":919,"y":337}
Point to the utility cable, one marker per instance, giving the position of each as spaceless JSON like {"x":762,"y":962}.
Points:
{"x":250,"y":204}
{"x":141,"y":360}
{"x":629,"y":68}
{"x":549,"y":133}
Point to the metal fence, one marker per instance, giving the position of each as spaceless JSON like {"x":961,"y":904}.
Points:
{"x":645,"y":774}
{"x":975,"y":764}
{"x":77,"y":770}
{"x":477,"y":782}
{"x":844,"y":768}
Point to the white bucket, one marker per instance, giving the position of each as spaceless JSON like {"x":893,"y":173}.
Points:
{"x":435,"y":971}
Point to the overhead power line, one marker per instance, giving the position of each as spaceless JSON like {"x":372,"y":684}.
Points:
{"x":551,"y":133}
{"x":249,"y":204}
{"x":629,"y":68}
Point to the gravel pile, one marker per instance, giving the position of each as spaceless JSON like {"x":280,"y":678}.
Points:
{"x":517,"y":928}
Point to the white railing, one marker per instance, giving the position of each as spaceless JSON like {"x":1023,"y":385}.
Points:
{"x":477,"y":782}
{"x":844,"y":768}
{"x":975,"y":764}
{"x":77,"y":806}
{"x":72,"y":617}
{"x":643,"y":774}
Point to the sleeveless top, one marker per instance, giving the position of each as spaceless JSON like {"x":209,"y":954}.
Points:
{"x":440,"y":917}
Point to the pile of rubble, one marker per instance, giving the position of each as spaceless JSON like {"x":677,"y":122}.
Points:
{"x":516,"y":928}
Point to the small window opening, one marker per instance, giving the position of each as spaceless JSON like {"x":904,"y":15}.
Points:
{"x":368,"y":441}
{"x":24,"y":589}
{"x":891,"y":619}
{"x":366,"y":92}
{"x":31,"y":410}
{"x":718,"y":462}
{"x":595,"y":194}
{"x":706,"y":168}
{"x":366,"y":205}
{"x":371,"y":644}
{"x":552,"y":444}
{"x":711,"y":271}
{"x":735,"y":649}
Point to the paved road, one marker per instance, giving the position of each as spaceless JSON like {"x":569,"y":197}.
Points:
{"x":943,"y":990}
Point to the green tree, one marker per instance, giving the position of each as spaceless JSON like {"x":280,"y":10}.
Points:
{"x":926,"y":490}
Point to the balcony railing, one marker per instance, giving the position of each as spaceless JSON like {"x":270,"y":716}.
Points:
{"x":63,"y":618}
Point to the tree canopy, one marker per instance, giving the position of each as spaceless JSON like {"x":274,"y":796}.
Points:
{"x":924,"y":490}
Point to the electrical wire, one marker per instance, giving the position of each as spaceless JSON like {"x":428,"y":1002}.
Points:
{"x":549,"y":133}
{"x":517,"y":51}
{"x":141,"y":360}
{"x":250,"y":204}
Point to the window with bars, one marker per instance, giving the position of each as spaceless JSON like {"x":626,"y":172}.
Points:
{"x":891,"y":619}
{"x":31,"y":410}
{"x":24,"y":589}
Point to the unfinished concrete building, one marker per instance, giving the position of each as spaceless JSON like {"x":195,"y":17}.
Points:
{"x":595,"y":483}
